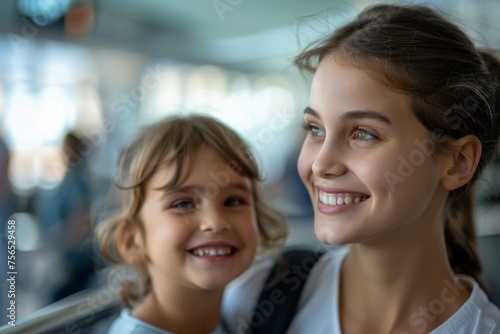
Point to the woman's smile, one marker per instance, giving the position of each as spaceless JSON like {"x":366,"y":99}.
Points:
{"x":358,"y":132}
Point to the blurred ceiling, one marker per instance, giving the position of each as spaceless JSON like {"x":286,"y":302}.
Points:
{"x":257,"y":35}
{"x":221,"y":31}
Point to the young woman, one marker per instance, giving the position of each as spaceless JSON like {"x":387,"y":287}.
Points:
{"x":190,"y":220}
{"x":403,"y":117}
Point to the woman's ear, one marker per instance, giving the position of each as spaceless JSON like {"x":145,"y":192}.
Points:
{"x":462,"y":162}
{"x":130,"y":244}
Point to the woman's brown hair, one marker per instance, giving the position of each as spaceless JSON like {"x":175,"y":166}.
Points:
{"x":173,"y":143}
{"x":453,"y":87}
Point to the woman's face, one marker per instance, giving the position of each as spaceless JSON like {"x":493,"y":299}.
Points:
{"x":367,"y":161}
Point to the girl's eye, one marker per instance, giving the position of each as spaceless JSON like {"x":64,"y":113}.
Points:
{"x":362,"y":135}
{"x":235,"y":201}
{"x":183,"y":204}
{"x":313,"y":130}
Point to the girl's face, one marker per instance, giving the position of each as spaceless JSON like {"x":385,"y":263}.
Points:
{"x":203,"y":233}
{"x":368,"y":163}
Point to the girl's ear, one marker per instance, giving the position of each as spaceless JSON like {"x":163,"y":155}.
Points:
{"x":462,"y":162}
{"x":130,"y":244}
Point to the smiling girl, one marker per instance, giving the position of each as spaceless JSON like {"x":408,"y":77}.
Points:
{"x":403,"y":116}
{"x":191,"y":220}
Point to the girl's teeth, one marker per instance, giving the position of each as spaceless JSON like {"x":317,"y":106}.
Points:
{"x":357,"y":200}
{"x":348,"y":200}
{"x":331,"y":200}
{"x":212,"y":251}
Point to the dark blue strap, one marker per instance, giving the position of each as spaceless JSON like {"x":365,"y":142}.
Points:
{"x":280,"y":296}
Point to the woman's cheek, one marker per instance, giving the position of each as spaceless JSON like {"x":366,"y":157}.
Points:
{"x":395,"y":174}
{"x":304,"y":164}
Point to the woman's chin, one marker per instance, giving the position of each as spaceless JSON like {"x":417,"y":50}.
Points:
{"x":327,"y":235}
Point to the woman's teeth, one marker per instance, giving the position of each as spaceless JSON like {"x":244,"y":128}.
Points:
{"x":340,"y":199}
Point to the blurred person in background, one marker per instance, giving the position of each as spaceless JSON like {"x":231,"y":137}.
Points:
{"x":8,"y":199}
{"x":74,"y":193}
{"x":64,"y":219}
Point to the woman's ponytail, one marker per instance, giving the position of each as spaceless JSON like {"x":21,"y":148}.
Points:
{"x":460,"y":237}
{"x":491,"y":142}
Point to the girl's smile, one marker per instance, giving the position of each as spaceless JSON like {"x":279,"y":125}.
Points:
{"x":214,"y":251}
{"x":201,"y":233}
{"x":190,"y":220}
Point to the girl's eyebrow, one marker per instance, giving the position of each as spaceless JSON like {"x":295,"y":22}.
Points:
{"x":169,"y":192}
{"x":355,"y":114}
{"x":241,"y":186}
{"x":200,"y":188}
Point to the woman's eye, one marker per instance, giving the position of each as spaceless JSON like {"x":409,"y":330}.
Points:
{"x":362,"y":135}
{"x":314,"y":130}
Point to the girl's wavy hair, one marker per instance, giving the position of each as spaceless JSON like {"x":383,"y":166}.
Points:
{"x":453,"y":87}
{"x":174,"y":142}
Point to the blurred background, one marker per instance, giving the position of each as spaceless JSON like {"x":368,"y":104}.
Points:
{"x":79,"y":78}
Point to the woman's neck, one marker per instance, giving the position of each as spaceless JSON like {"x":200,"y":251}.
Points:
{"x":174,"y":308}
{"x":403,"y":283}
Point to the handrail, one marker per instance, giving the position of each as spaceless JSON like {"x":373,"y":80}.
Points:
{"x":69,"y":314}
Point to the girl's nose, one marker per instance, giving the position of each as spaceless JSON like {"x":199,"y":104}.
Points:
{"x":328,"y":162}
{"x":214,"y":221}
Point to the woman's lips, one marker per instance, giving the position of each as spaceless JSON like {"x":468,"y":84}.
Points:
{"x":337,"y":202}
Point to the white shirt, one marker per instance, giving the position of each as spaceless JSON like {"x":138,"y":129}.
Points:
{"x":127,"y":324}
{"x":317,"y":311}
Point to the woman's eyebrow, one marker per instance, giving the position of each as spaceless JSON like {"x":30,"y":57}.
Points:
{"x":311,"y":111}
{"x":355,"y":114}
{"x":365,"y":114}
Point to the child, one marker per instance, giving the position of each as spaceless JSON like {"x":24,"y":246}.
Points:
{"x":191,"y":221}
{"x":403,"y":117}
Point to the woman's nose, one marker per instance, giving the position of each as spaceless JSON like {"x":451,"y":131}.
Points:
{"x":328,"y":162}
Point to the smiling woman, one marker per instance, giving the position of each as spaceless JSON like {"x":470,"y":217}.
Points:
{"x":367,"y":145}
{"x":403,"y":116}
